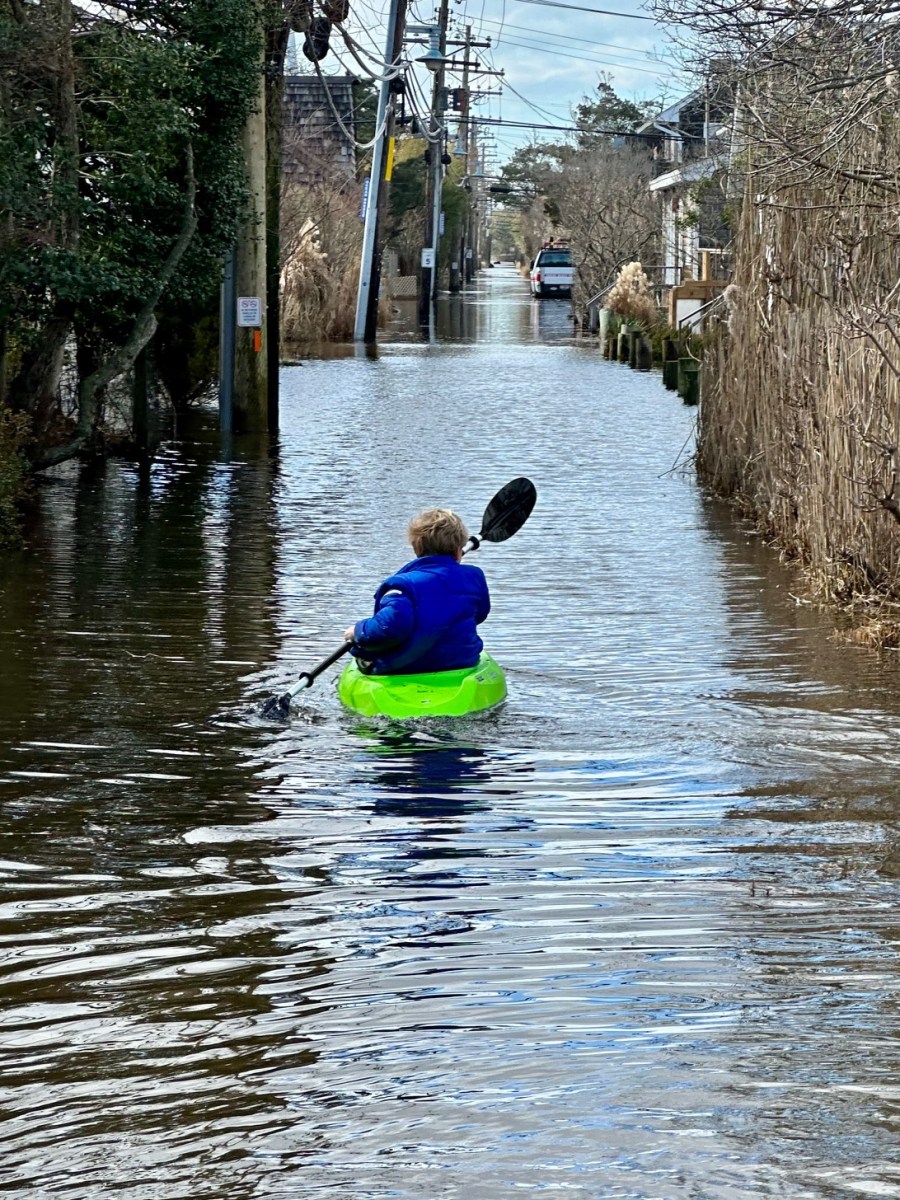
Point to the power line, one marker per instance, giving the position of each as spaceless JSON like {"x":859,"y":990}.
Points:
{"x":542,"y":112}
{"x":606,"y":12}
{"x":528,"y":44}
{"x":645,"y":54}
{"x":589,"y":131}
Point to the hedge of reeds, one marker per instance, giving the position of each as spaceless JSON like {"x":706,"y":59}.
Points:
{"x":800,"y":417}
{"x":321,"y":241}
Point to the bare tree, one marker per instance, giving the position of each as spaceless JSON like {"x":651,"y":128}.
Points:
{"x":610,"y":216}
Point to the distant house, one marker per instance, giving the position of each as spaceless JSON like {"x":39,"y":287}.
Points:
{"x":318,"y":135}
{"x":689,"y":146}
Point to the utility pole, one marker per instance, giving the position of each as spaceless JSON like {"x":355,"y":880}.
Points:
{"x":472,"y":172}
{"x":227,"y":330}
{"x":250,"y":356}
{"x":365,"y":326}
{"x":278,"y":41}
{"x":464,"y":128}
{"x":428,"y":279}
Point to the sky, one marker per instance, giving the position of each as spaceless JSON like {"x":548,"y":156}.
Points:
{"x":552,"y":58}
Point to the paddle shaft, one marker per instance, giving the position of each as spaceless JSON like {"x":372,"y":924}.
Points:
{"x":307,"y":678}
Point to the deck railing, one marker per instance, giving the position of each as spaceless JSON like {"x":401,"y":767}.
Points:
{"x":689,"y":322}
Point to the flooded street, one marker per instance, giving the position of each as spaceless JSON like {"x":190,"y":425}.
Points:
{"x":634,"y":935}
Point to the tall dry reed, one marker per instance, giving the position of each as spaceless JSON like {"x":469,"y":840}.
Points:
{"x":800,"y":417}
{"x":322,"y":240}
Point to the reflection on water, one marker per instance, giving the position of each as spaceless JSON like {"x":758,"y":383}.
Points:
{"x":632,"y":935}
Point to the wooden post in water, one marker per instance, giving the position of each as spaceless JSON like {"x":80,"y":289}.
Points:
{"x":670,"y":364}
{"x":140,"y":405}
{"x":604,"y":322}
{"x":689,"y":380}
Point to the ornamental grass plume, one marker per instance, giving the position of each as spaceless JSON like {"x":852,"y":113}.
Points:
{"x":631,"y":298}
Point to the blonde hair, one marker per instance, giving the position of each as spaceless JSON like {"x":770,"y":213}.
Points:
{"x":437,"y":531}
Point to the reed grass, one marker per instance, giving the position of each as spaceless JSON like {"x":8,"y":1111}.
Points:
{"x":322,"y":240}
{"x":800,"y":418}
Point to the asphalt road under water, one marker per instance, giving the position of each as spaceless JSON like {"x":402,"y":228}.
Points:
{"x":633,"y":935}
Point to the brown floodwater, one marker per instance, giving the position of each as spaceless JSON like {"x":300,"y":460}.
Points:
{"x":633,"y":935}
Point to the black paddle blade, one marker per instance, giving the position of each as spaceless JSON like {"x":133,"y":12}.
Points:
{"x":508,"y":511}
{"x":277,"y":708}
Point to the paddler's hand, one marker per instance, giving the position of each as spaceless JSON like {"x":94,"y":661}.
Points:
{"x":348,"y":633}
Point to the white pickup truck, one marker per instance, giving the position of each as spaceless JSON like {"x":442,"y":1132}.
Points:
{"x":552,"y":272}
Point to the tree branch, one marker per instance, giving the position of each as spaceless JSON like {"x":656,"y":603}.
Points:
{"x":141,"y":334}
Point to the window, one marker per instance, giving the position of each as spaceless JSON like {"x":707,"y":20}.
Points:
{"x":555,"y":258}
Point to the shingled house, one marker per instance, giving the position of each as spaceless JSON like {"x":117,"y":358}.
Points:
{"x":316,"y":148}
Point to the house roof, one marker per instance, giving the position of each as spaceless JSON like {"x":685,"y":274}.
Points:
{"x":670,"y":115}
{"x":689,"y":172}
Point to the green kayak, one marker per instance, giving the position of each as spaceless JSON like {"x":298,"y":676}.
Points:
{"x":438,"y":694}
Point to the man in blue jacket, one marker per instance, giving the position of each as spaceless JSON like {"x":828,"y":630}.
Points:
{"x":425,"y":615}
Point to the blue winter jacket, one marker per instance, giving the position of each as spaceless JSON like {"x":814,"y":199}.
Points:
{"x":425,"y":618}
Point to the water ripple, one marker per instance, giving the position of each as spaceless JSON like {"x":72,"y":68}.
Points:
{"x":632,"y":936}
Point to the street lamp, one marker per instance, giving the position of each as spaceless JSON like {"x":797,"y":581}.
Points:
{"x":432,"y":58}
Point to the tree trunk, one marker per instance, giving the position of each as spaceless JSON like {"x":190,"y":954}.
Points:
{"x":35,"y":388}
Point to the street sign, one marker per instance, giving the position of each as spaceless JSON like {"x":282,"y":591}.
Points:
{"x":249,"y":312}
{"x":428,"y":257}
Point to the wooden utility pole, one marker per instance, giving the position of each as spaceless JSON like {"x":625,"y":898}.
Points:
{"x":428,"y":280}
{"x":366,"y":324}
{"x":250,"y":355}
{"x":464,"y":128}
{"x":472,"y":223}
{"x":277,"y":38}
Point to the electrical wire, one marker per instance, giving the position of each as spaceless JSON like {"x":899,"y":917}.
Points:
{"x":367,"y":31}
{"x":541,"y":112}
{"x":527,"y":44}
{"x":583,"y":41}
{"x":353,"y":46}
{"x":351,"y":137}
{"x":591,"y":132}
{"x":432,"y":135}
{"x":606,"y":12}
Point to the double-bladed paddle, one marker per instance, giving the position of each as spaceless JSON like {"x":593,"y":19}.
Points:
{"x":504,"y":516}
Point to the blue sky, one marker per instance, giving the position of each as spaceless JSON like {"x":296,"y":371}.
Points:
{"x":552,"y":57}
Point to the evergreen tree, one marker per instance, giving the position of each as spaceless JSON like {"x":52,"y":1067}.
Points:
{"x":121,"y":185}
